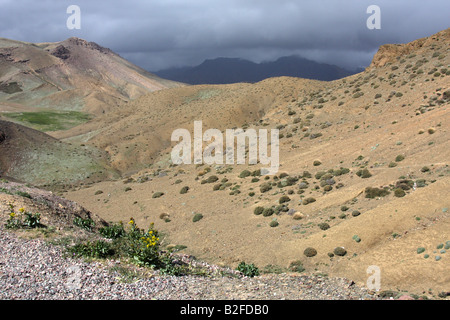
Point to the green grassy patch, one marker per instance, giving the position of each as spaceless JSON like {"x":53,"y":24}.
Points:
{"x":49,"y":120}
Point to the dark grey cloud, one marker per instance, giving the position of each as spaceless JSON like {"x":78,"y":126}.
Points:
{"x":161,"y":33}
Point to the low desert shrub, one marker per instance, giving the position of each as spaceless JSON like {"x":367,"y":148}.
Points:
{"x":364,"y":173}
{"x":372,"y":192}
{"x":308,"y":200}
{"x":184,"y":190}
{"x":197,"y":217}
{"x":340,"y":251}
{"x":258,"y":210}
{"x":310,"y":252}
{"x":157,"y":194}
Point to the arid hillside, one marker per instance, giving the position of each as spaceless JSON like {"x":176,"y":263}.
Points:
{"x":363,"y":181}
{"x":364,"y":166}
{"x":36,"y":158}
{"x":71,"y":75}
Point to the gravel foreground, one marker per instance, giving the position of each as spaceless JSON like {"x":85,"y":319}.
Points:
{"x":37,"y":270}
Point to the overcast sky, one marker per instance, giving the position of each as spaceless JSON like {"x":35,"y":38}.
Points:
{"x":156,"y":34}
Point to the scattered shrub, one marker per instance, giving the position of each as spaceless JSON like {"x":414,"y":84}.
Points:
{"x":274,"y":223}
{"x":258,"y":210}
{"x":184,"y":190}
{"x":364,"y":173}
{"x":356,"y":213}
{"x":284,"y":199}
{"x":425,"y":169}
{"x":303,"y":185}
{"x":308,"y":200}
{"x":324,"y":226}
{"x":197,"y":217}
{"x":296,"y":266}
{"x":157,"y":194}
{"x":317,"y":163}
{"x":421,"y":183}
{"x":310,"y":252}
{"x":245,"y":173}
{"x":267,"y":212}
{"x":399,"y":158}
{"x":372,"y":193}
{"x":399,"y":192}
{"x":212,"y":179}
{"x":265,"y":187}
{"x":340,"y":251}
{"x":392,"y":164}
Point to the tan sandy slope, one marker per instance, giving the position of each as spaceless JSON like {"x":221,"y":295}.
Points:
{"x":392,"y":120}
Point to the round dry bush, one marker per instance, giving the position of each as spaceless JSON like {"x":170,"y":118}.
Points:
{"x":324,"y":226}
{"x":184,"y":190}
{"x":308,"y":200}
{"x":265,"y":187}
{"x":212,"y":179}
{"x":340,"y":251}
{"x":258,"y":210}
{"x":157,"y":194}
{"x":356,"y":213}
{"x":317,"y":163}
{"x":284,"y":199}
{"x":267,"y":212}
{"x":310,"y":252}
{"x":273,"y":223}
{"x":197,"y":217}
{"x":399,"y":192}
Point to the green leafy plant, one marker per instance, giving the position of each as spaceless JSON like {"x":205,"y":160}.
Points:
{"x":143,"y":246}
{"x":23,"y":219}
{"x":32,"y":220}
{"x":113,"y":231}
{"x":91,"y":249}
{"x":87,"y":224}
{"x":248,"y":270}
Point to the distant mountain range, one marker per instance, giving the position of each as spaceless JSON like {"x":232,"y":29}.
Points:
{"x":233,"y":70}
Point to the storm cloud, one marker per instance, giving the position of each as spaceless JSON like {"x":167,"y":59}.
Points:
{"x":163,"y":33}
